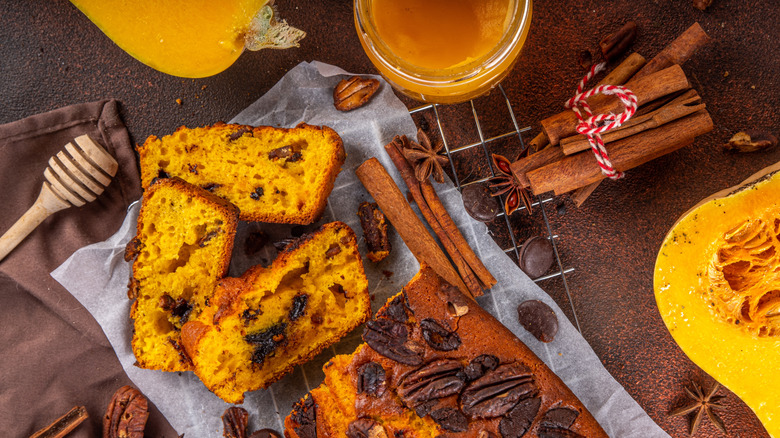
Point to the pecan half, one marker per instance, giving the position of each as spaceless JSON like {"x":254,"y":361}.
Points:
{"x":235,"y":421}
{"x":354,"y":92}
{"x":132,"y":249}
{"x":438,"y":337}
{"x":435,"y":380}
{"x":390,"y":339}
{"x":750,"y":141}
{"x":126,"y":415}
{"x":374,"y":225}
{"x":517,"y":421}
{"x":366,"y":428}
{"x":371,"y":379}
{"x":498,"y":391}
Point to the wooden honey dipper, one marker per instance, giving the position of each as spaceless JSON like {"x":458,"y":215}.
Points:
{"x":75,"y":176}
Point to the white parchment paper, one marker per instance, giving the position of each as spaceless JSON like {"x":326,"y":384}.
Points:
{"x":97,"y":275}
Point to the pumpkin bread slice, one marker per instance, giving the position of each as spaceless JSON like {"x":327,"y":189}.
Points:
{"x":182,"y":247}
{"x":272,"y":174}
{"x":259,"y":326}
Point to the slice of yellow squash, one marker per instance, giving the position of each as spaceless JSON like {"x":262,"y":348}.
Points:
{"x":189,"y":38}
{"x":717,"y":286}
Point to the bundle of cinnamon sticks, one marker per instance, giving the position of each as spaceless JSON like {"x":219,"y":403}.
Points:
{"x":669,"y":117}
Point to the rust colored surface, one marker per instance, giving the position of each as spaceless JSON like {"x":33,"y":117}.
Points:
{"x":53,"y":56}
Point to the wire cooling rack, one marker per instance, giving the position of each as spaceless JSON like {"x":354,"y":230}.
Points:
{"x":453,"y":150}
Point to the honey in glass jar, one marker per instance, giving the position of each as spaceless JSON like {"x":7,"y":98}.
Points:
{"x":443,"y":51}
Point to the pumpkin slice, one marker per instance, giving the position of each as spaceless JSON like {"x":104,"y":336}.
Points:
{"x":189,"y":38}
{"x":717,"y":286}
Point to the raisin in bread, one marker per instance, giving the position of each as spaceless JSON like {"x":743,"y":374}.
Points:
{"x":259,"y":326}
{"x":272,"y":174}
{"x":182,"y":247}
{"x":427,"y":369}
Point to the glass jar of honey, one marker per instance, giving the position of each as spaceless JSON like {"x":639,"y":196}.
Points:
{"x":443,"y":51}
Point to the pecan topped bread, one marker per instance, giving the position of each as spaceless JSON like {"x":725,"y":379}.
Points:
{"x":435,"y":364}
{"x":260,"y":325}
{"x":272,"y":174}
{"x":182,"y":247}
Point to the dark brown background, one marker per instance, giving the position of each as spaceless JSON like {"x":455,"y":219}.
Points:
{"x":51,"y":56}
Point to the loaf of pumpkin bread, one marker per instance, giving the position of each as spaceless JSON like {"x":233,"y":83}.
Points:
{"x":435,"y":364}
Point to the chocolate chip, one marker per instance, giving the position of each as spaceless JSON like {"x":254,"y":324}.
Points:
{"x":298,"y":306}
{"x":259,"y":191}
{"x":450,"y":419}
{"x":240,"y":133}
{"x":210,"y":187}
{"x":537,"y":256}
{"x":254,"y":243}
{"x":560,"y":417}
{"x":282,"y":244}
{"x":539,"y":319}
{"x":478,"y":202}
{"x":304,"y":416}
{"x":333,"y":250}
{"x":266,"y":341}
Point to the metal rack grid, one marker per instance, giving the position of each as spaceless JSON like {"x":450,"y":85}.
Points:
{"x":483,"y":143}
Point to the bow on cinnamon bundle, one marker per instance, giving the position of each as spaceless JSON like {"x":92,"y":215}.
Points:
{"x":670,"y":115}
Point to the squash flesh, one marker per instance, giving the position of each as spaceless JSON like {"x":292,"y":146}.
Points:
{"x":717,"y":286}
{"x":187,"y":38}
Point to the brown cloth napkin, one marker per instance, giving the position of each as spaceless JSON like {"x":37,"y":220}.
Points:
{"x":53,"y":354}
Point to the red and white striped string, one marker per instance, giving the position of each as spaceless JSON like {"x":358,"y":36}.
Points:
{"x":592,"y":126}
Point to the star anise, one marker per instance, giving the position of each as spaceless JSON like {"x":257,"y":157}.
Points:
{"x":702,"y":403}
{"x":425,"y":158}
{"x":505,"y":182}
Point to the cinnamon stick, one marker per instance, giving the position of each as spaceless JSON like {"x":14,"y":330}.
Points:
{"x":677,"y":52}
{"x":625,"y":70}
{"x":393,"y":150}
{"x":392,"y":202}
{"x":546,"y":156}
{"x":687,"y":103}
{"x":63,"y":425}
{"x":646,"y":89}
{"x":580,"y":170}
{"x":482,"y":273}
